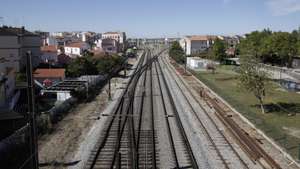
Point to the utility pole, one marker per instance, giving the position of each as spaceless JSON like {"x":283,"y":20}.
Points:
{"x":185,"y":63}
{"x":31,"y":114}
{"x":109,"y":90}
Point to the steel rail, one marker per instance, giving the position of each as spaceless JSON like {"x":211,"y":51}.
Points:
{"x":182,"y":131}
{"x":171,"y":140}
{"x":140,"y":117}
{"x":120,"y":104}
{"x":152,"y":121}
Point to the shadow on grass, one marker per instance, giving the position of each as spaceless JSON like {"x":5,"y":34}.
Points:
{"x":282,"y":108}
{"x":227,"y":78}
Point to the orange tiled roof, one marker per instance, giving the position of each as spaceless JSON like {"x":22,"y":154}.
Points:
{"x":49,"y":73}
{"x":50,"y":48}
{"x":202,"y":37}
{"x":76,"y":44}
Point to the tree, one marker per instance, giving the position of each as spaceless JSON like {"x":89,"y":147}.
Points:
{"x":85,"y":65}
{"x":108,"y":62}
{"x":177,"y":53}
{"x":284,"y":46}
{"x":218,"y":50}
{"x":273,"y":47}
{"x":253,"y":43}
{"x":298,"y":47}
{"x":253,"y":78}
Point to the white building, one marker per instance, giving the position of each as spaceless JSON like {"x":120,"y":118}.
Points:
{"x":108,"y":45}
{"x":198,"y":63}
{"x":76,"y":49}
{"x":196,"y":44}
{"x":120,"y":37}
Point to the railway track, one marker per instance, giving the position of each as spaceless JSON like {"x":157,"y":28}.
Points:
{"x":131,"y":137}
{"x":145,"y":130}
{"x":114,"y":148}
{"x":124,"y":144}
{"x":181,"y":150}
{"x":247,"y":143}
{"x":219,"y":142}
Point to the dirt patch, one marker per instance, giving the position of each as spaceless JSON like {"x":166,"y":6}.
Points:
{"x":62,"y":143}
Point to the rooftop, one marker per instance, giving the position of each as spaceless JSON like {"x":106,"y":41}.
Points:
{"x":50,"y":48}
{"x":202,"y":37}
{"x":49,"y":73}
{"x":5,"y":30}
{"x":113,"y":33}
{"x":76,"y":44}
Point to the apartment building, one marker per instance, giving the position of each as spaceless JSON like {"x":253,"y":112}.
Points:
{"x":120,"y":37}
{"x":196,"y":44}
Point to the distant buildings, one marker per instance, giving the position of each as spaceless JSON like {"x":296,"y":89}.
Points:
{"x":134,"y":42}
{"x":196,"y":44}
{"x":120,"y":37}
{"x":231,"y":41}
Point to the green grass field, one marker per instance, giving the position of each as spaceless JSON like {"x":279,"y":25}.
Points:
{"x":276,"y":123}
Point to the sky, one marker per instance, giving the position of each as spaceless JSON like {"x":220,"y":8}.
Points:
{"x":153,"y":18}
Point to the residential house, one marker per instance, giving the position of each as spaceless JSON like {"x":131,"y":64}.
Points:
{"x":231,"y":41}
{"x":196,"y":44}
{"x":120,"y":37}
{"x":76,"y":49}
{"x":49,"y":54}
{"x":108,"y":45}
{"x":49,"y":76}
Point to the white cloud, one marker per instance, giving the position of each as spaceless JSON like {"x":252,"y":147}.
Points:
{"x":283,"y":7}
